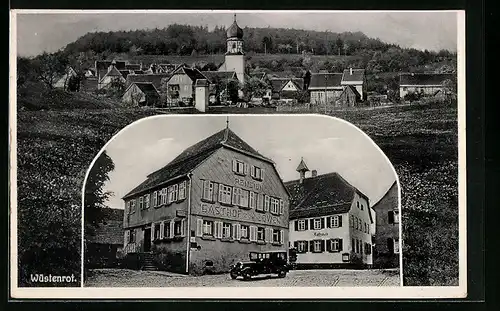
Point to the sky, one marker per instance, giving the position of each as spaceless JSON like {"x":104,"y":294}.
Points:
{"x":41,"y":32}
{"x":326,"y":144}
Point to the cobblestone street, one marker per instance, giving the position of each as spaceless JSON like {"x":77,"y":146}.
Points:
{"x":307,"y":278}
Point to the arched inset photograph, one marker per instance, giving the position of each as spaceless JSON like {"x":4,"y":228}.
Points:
{"x":222,"y":201}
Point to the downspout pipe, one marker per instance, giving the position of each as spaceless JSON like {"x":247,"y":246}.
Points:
{"x":188,"y":227}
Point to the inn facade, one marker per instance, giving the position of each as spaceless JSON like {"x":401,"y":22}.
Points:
{"x":330,"y":222}
{"x":208,"y":208}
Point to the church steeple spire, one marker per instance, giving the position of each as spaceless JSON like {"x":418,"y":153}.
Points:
{"x":235,"y":17}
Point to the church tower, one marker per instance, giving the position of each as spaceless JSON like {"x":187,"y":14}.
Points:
{"x":235,"y":58}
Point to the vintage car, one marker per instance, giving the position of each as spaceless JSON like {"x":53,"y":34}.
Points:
{"x":269,"y":262}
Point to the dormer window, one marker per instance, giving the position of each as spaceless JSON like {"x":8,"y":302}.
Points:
{"x":239,"y":167}
{"x":256,"y":172}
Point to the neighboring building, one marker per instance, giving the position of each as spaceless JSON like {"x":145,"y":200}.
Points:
{"x":208,"y":208}
{"x":88,"y":84}
{"x":349,"y":97}
{"x":427,"y":84}
{"x":62,"y":82}
{"x":102,"y":68}
{"x":286,"y":89}
{"x":180,"y":84}
{"x":156,"y":79}
{"x":386,"y":249}
{"x":234,"y":59}
{"x":355,"y":78}
{"x":141,"y":94}
{"x":214,"y":77}
{"x":330,"y":222}
{"x":113,"y":74}
{"x":107,"y":241}
{"x":325,"y":83}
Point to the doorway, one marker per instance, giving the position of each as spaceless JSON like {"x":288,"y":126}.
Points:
{"x":147,"y":240}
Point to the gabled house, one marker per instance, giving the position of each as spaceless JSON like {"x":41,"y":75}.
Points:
{"x":209,"y":207}
{"x":63,"y":81}
{"x":141,"y":94}
{"x":349,"y":97}
{"x":102,"y":67}
{"x":285,"y":89}
{"x":215,"y":77}
{"x":155,"y":79}
{"x":355,"y":78}
{"x":330,"y":221}
{"x":112,"y":75}
{"x":180,"y":85}
{"x":386,"y":249}
{"x":427,"y":84}
{"x":325,"y":87}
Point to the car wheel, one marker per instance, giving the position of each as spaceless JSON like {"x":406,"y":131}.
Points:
{"x":282,"y":273}
{"x":247,"y":275}
{"x":233,"y":275}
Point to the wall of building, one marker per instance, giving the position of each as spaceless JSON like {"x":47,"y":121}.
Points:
{"x":318,"y":96}
{"x":324,"y":257}
{"x":201,"y":98}
{"x":383,"y":256}
{"x":427,"y":90}
{"x":358,"y":85}
{"x":235,"y":63}
{"x":133,"y":96}
{"x":106,"y":81}
{"x":185,"y":85}
{"x":221,"y":254}
{"x":358,"y":232}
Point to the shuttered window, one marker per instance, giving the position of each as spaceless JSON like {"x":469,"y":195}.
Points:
{"x":302,"y":246}
{"x":225,"y":194}
{"x":164,"y":196}
{"x":253,"y":199}
{"x":334,"y":221}
{"x":274,"y":206}
{"x":301,"y":224}
{"x":141,"y":203}
{"x":396,"y":217}
{"x":261,"y":235}
{"x":208,"y":227}
{"x":208,"y":188}
{"x":154,"y":202}
{"x":317,"y":223}
{"x":166,"y":230}
{"x":244,"y":198}
{"x":266,"y":203}
{"x":253,"y":233}
{"x":239,"y":167}
{"x":182,"y":190}
{"x":245,"y":232}
{"x":146,"y":201}
{"x":282,"y":207}
{"x":226,"y":230}
{"x":276,"y":236}
{"x":260,"y":202}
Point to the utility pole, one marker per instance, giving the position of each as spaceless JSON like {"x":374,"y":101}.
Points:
{"x":326,"y":77}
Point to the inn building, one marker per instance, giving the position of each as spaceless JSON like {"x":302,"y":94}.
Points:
{"x":208,"y":208}
{"x":330,"y":222}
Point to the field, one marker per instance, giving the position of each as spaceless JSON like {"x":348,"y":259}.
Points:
{"x":55,"y":148}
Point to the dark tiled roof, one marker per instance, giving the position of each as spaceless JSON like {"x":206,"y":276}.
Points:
{"x":147,"y":88}
{"x":212,"y":76}
{"x":109,"y":233}
{"x":101,"y":66}
{"x":201,"y":82}
{"x":124,"y":73}
{"x":113,"y":72}
{"x":152,"y":78}
{"x":424,"y":78}
{"x":357,"y":75}
{"x":332,"y":80}
{"x":112,"y":214}
{"x":133,"y":66}
{"x":391,"y":191}
{"x":194,"y":155}
{"x":278,"y":83}
{"x":320,"y":196}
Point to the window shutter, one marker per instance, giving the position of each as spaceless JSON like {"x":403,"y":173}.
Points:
{"x":390,"y":216}
{"x":215,"y":192}
{"x":329,"y":245}
{"x":329,"y":222}
{"x":266,"y":203}
{"x":311,"y":223}
{"x":246,"y":168}
{"x":311,"y":246}
{"x":126,"y":238}
{"x":172,"y":223}
{"x":322,"y":222}
{"x":340,"y":220}
{"x":282,"y":207}
{"x":220,"y":230}
{"x":234,"y":166}
{"x":267,"y":236}
{"x":162,"y":226}
{"x":306,"y":225}
{"x":234,"y":234}
{"x":282,"y":237}
{"x":238,"y":232}
{"x":253,"y":233}
{"x":323,"y":245}
{"x":176,"y":192}
{"x":261,"y":174}
{"x":183,"y":229}
{"x":260,"y":201}
{"x":199,"y":227}
{"x":296,"y":225}
{"x":341,"y":246}
{"x":296,"y":245}
{"x":153,"y":231}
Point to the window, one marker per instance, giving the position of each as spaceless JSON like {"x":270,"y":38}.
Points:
{"x":282,"y":207}
{"x":396,"y":217}
{"x":359,"y":224}
{"x":225,"y":194}
{"x":256,"y":172}
{"x":368,"y":249}
{"x":208,"y":190}
{"x":317,"y":246}
{"x":335,"y":245}
{"x":208,"y":227}
{"x":253,"y":199}
{"x":239,"y":167}
{"x":164,"y":196}
{"x":302,"y":246}
{"x":317,"y":223}
{"x":245,"y":232}
{"x":301,"y":225}
{"x":357,"y":204}
{"x":276,"y":236}
{"x":178,"y":228}
{"x":166,"y":229}
{"x":182,"y":190}
{"x":244,"y":198}
{"x":226,"y":230}
{"x":128,"y":207}
{"x":260,"y":234}
{"x":275,"y":205}
{"x":141,"y":205}
{"x":366,"y":227}
{"x":155,"y":199}
{"x":172,"y":193}
{"x":156,"y":234}
{"x":260,"y":202}
{"x":360,"y":246}
{"x":266,"y":203}
{"x":334,"y":221}
{"x":396,"y":246}
{"x":352,"y":221}
{"x":132,"y":236}
{"x":146,"y":201}
{"x":353,"y":245}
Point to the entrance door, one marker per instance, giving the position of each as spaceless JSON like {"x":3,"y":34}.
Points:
{"x":147,"y":240}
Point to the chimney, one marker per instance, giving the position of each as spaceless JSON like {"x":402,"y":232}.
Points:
{"x":314,"y":173}
{"x":350,"y":71}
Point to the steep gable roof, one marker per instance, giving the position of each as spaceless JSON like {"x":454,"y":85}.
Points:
{"x":389,"y":192}
{"x":424,"y":78}
{"x":328,"y":80}
{"x":352,"y":89}
{"x":357,"y":75}
{"x":113,"y":72}
{"x":101,"y":66}
{"x":192,"y":156}
{"x":147,"y":88}
{"x":320,"y":196}
{"x":152,"y":78}
{"x":193,"y":73}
